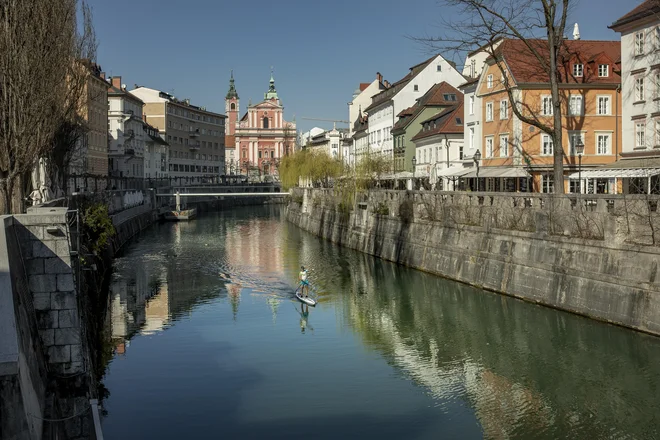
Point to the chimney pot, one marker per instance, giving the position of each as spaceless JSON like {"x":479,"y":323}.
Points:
{"x":379,"y":77}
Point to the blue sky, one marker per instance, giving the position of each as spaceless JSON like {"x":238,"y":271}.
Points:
{"x":320,"y":51}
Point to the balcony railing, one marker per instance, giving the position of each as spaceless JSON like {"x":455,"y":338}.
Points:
{"x":194,"y":146}
{"x":194,"y":133}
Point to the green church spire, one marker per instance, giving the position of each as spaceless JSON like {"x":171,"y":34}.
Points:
{"x":271,"y":93}
{"x":232,"y":93}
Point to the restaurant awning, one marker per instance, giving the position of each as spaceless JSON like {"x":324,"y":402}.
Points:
{"x":497,"y":172}
{"x":621,"y":173}
{"x":453,"y":172}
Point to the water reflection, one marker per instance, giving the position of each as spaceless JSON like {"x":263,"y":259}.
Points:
{"x":473,"y":358}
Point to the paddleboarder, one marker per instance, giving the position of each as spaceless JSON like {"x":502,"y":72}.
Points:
{"x":304,"y":284}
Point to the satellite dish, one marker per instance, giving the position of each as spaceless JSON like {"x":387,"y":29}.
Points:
{"x":123,"y":86}
{"x":531,"y":129}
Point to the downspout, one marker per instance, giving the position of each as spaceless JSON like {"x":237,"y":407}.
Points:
{"x":448,"y":165}
{"x":616,"y":130}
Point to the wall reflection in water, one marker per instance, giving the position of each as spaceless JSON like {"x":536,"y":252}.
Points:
{"x":526,"y":371}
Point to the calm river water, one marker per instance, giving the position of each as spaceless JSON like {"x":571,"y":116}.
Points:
{"x":207,"y":342}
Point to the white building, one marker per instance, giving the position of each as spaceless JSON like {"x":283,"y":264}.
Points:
{"x":156,"y":154}
{"x":388,"y":103}
{"x":640,"y":81}
{"x":126,"y":137}
{"x":328,"y":142}
{"x":474,"y":65}
{"x":306,"y":137}
{"x":362,"y":98}
{"x":439,"y":149}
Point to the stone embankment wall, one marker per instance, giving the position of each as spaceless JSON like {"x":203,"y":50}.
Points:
{"x":595,"y":256}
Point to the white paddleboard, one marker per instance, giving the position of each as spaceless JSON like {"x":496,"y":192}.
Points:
{"x":308,"y":300}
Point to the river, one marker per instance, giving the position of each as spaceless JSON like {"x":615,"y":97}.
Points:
{"x":206,"y":341}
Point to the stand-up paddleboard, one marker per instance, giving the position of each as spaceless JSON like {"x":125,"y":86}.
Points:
{"x":307,"y":300}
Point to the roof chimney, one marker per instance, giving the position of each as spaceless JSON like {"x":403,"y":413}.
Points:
{"x":379,"y":77}
{"x":576,"y":32}
{"x":102,"y":75}
{"x":116,"y":82}
{"x":387,"y":84}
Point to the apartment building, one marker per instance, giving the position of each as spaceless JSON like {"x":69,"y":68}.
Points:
{"x":517,"y":156}
{"x":127,"y":137}
{"x":196,"y":136}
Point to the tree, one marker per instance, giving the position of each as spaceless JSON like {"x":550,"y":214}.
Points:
{"x":43,"y":73}
{"x":540,"y":26}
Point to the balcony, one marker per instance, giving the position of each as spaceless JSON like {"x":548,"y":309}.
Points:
{"x":129,"y":152}
{"x":194,"y":146}
{"x":194,"y":133}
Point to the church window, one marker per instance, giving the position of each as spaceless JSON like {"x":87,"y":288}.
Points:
{"x":233,"y":106}
{"x":265,"y":122}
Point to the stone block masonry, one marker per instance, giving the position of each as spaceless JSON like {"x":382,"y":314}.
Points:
{"x":599,"y":261}
{"x":44,"y":239}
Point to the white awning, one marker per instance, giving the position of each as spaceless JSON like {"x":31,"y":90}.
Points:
{"x":622,"y":173}
{"x":453,"y":171}
{"x":497,"y":172}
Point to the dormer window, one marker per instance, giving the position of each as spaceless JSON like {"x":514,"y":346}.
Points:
{"x":449,"y":96}
{"x":578,"y":70}
{"x":603,"y":70}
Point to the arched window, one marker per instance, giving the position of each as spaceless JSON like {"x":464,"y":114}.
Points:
{"x":232,"y":106}
{"x":265,"y":122}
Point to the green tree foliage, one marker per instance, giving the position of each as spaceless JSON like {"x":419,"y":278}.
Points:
{"x":316,"y":167}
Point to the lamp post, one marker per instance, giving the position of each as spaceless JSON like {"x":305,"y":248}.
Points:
{"x":476,"y":158}
{"x":414,"y":163}
{"x":579,"y":149}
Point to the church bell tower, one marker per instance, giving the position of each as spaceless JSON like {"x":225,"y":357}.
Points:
{"x":231,"y":107}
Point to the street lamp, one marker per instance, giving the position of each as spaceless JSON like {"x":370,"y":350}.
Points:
{"x":476,"y":158}
{"x":579,"y":149}
{"x":414,"y":163}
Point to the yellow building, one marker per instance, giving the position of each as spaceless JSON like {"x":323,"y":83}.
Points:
{"x":517,"y":156}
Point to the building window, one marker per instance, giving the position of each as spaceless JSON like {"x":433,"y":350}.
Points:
{"x":575,"y":105}
{"x":472,"y":104}
{"x":489,"y":146}
{"x":639,"y":43}
{"x":546,"y":145}
{"x":546,"y":106}
{"x":657,"y":132}
{"x":233,"y":106}
{"x":460,"y":152}
{"x":603,"y":70}
{"x":640,"y":135}
{"x":547,"y":183}
{"x":504,"y":145}
{"x":603,"y":105}
{"x":578,"y":70}
{"x":504,"y":109}
{"x":471,"y":139}
{"x":603,"y":143}
{"x":489,"y":111}
{"x":439,"y":68}
{"x":416,"y":88}
{"x":639,"y":88}
{"x":489,"y":81}
{"x":573,"y":138}
{"x":265,"y":122}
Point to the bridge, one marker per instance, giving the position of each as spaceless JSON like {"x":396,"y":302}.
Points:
{"x":225,"y":194}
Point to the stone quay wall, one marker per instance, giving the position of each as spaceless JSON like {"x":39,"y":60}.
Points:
{"x":591,"y":255}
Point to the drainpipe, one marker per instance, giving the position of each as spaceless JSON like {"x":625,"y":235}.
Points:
{"x":616,"y":131}
{"x":447,"y":148}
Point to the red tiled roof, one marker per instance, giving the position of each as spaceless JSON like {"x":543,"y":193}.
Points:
{"x":525,"y":67}
{"x":646,"y":8}
{"x":434,"y":97}
{"x":446,"y":123}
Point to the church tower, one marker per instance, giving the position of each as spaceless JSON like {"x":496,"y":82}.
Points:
{"x":272,"y":93}
{"x":231,"y":107}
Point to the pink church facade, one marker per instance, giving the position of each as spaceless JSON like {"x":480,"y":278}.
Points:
{"x":256,"y":143}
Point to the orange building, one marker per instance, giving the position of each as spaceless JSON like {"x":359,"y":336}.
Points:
{"x":591,"y":105}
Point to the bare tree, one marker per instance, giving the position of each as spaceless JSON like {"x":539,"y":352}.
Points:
{"x":42,"y":85}
{"x":540,"y":26}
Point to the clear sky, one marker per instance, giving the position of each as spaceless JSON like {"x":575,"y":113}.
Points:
{"x":320,"y":51}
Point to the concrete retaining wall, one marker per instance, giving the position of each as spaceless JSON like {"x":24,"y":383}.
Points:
{"x":543,"y":260}
{"x":22,"y":366}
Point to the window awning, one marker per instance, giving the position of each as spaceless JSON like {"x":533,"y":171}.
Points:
{"x":453,"y":172}
{"x":622,"y":173}
{"x":497,"y":172}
